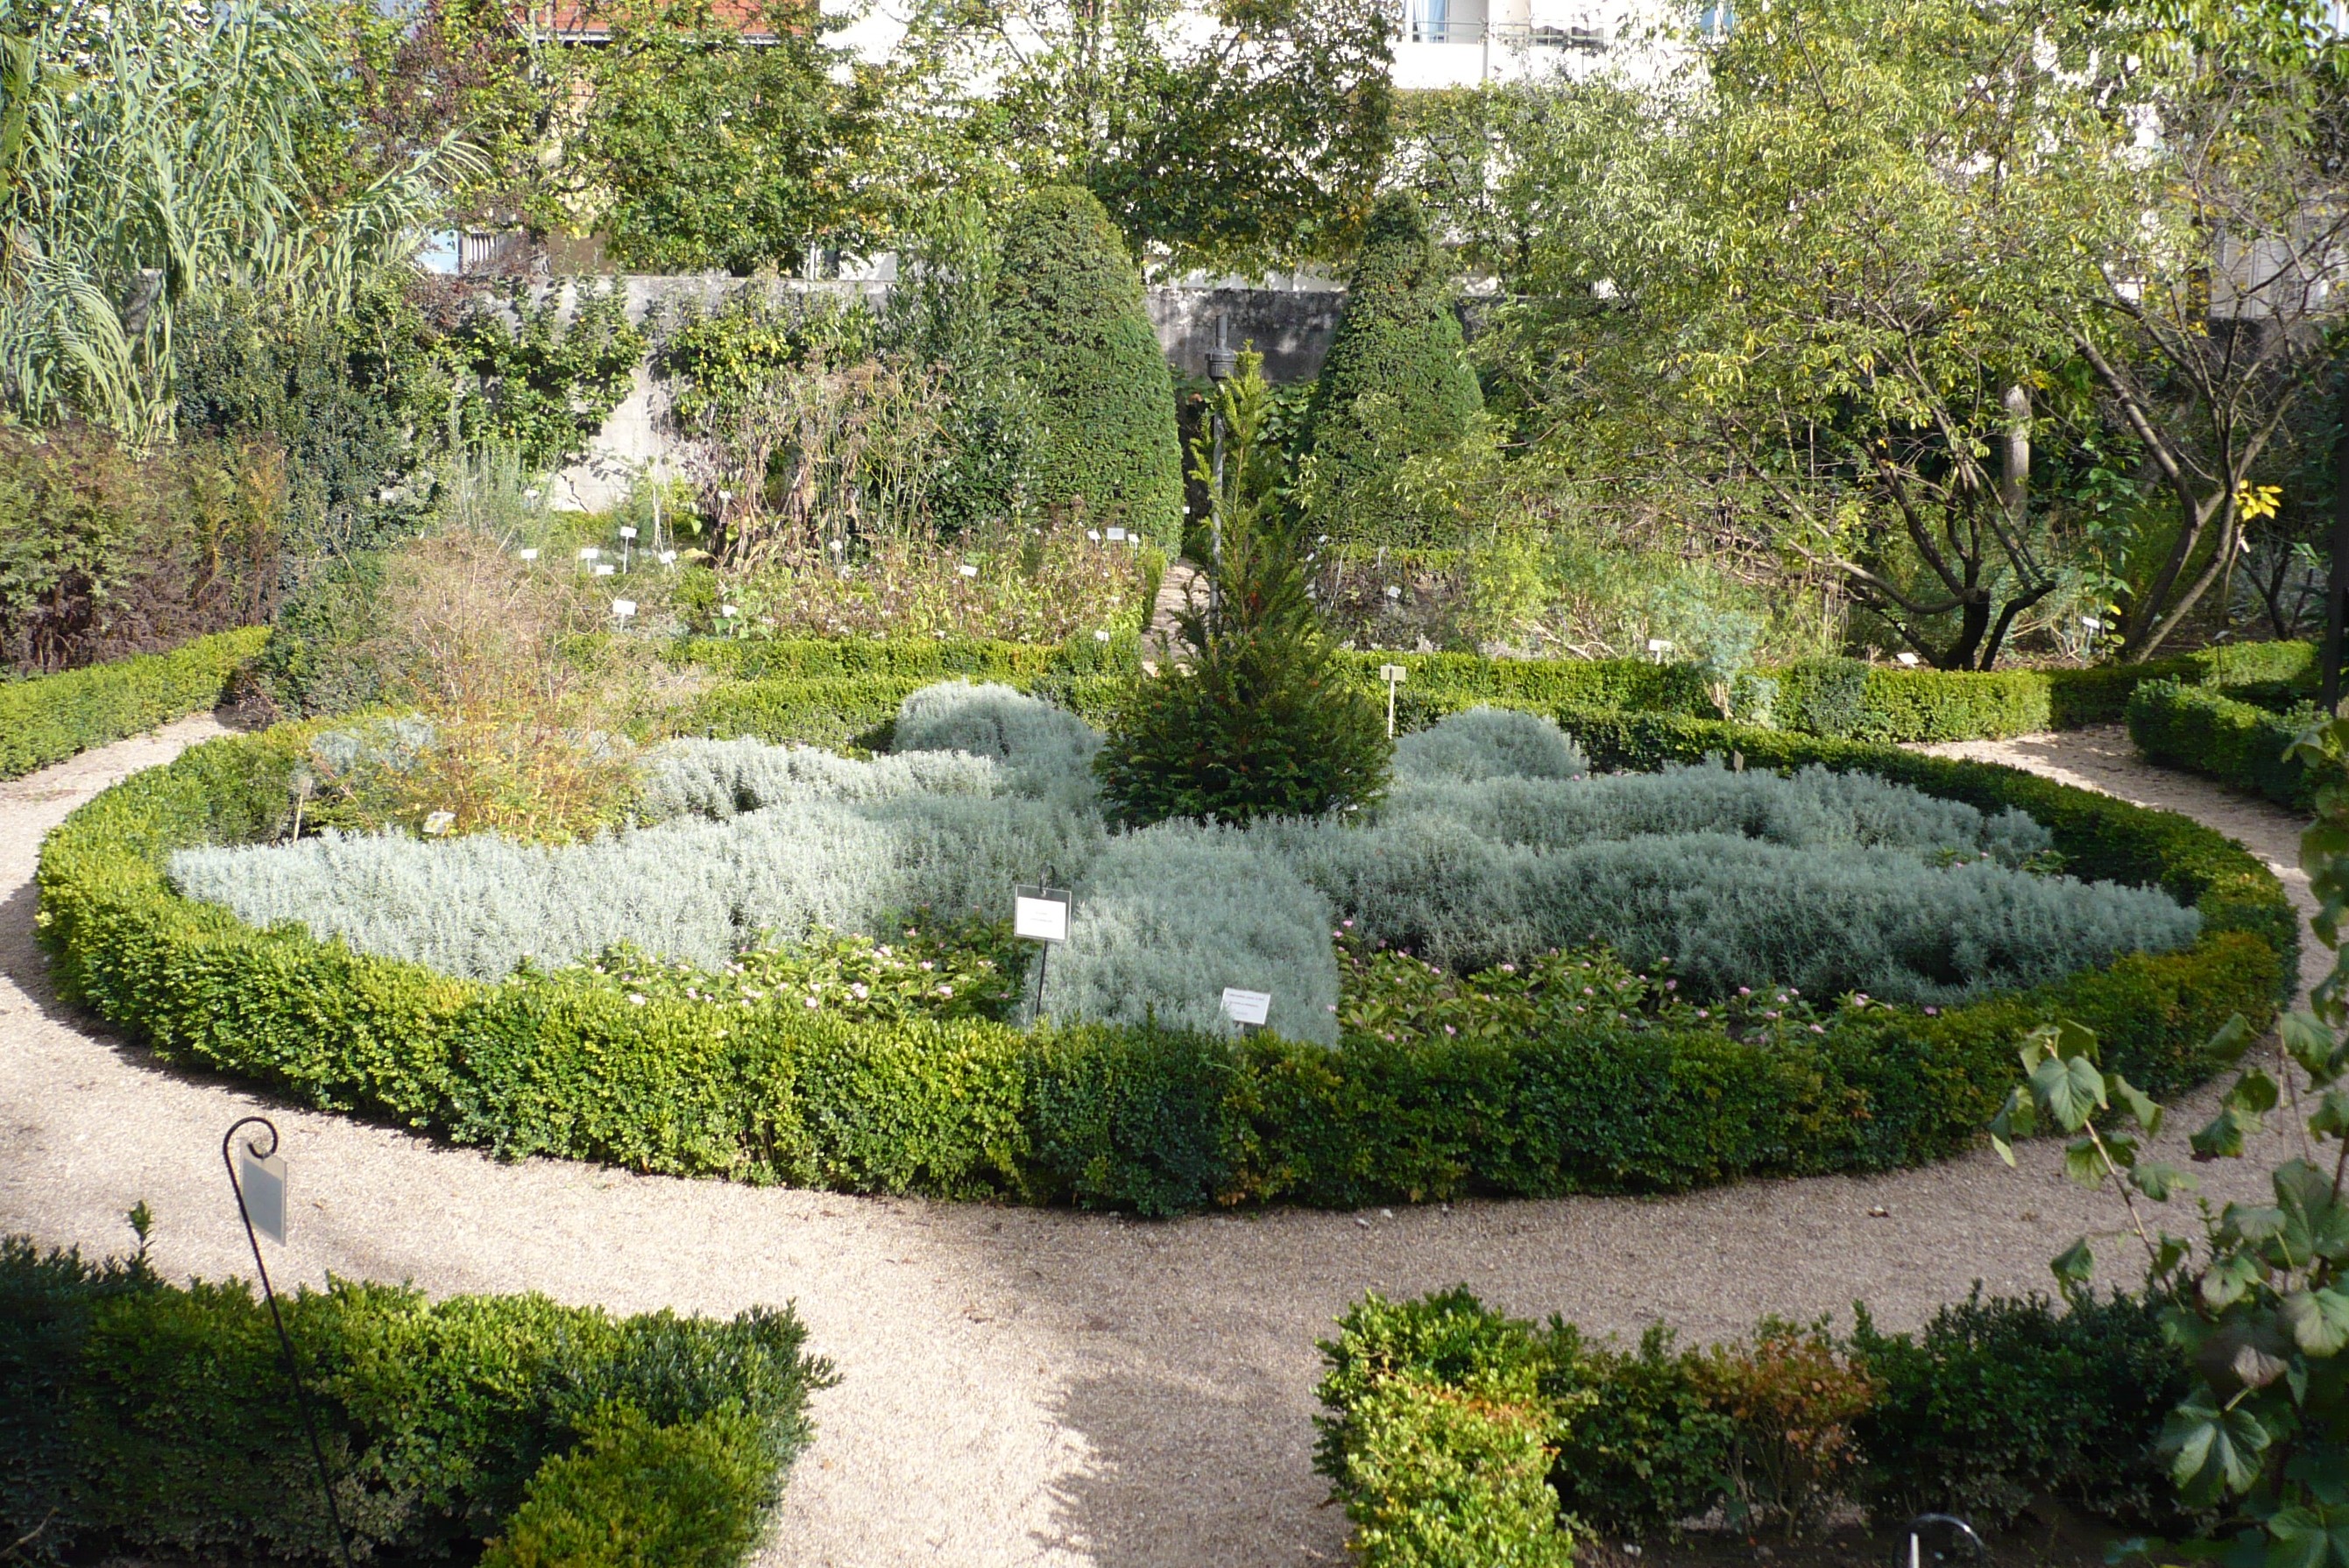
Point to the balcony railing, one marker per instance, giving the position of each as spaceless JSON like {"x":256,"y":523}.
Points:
{"x":1521,"y":35}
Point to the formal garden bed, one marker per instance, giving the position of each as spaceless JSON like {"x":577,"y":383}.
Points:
{"x":1383,"y":1077}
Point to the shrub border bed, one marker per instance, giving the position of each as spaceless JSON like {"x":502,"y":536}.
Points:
{"x":2201,"y":730}
{"x":48,"y":718}
{"x":1149,"y":1121}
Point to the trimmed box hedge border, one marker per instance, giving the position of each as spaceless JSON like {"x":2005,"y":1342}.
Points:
{"x":1149,"y":1121}
{"x":2204,"y":730}
{"x":48,"y":718}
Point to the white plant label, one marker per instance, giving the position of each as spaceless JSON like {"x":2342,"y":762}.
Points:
{"x":669,"y":558}
{"x":627,"y":532}
{"x":1247,"y":1007}
{"x":623,"y":608}
{"x":1115,"y":535}
{"x":967,"y":571}
{"x":1908,"y":659}
{"x":1393,"y":675}
{"x":262,"y":1182}
{"x":729,"y":610}
{"x":1040,"y":913}
{"x":439,"y":823}
{"x":1101,"y":637}
{"x":606,"y":569}
{"x":589,"y":552}
{"x":1660,"y":645}
{"x":527,"y":554}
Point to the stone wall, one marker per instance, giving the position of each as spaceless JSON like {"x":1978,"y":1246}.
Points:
{"x":1291,"y":327}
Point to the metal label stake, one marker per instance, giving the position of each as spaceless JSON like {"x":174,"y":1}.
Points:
{"x":258,"y":1179}
{"x":1041,"y":914}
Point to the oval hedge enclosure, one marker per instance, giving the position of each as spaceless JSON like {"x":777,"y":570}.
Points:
{"x":1152,"y":1121}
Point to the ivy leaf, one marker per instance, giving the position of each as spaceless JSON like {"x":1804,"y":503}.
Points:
{"x":2309,"y":1536}
{"x":2070,"y":1089}
{"x":2222,"y":1137}
{"x":2331,"y":1114}
{"x":2318,"y":1320}
{"x":2083,"y":1165}
{"x":2254,"y":1093}
{"x":2307,"y":1041}
{"x":2142,"y":1107}
{"x":2075,"y":1265}
{"x":2233,"y":1036}
{"x":2227,"y":1281}
{"x":2214,"y":1452}
{"x":2018,"y":1117}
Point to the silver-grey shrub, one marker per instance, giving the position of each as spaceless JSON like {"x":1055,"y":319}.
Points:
{"x":1730,"y":910}
{"x":1172,"y":914}
{"x":1050,"y":749}
{"x":720,"y":779}
{"x":1482,"y":743}
{"x":764,"y":839}
{"x":1812,"y":808}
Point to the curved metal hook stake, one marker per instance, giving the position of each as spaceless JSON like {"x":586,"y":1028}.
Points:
{"x":269,"y":1293}
{"x":1918,"y":1526}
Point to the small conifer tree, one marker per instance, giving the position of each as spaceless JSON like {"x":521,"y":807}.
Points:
{"x":1396,"y":384}
{"x":1258,"y":719}
{"x":1067,"y":303}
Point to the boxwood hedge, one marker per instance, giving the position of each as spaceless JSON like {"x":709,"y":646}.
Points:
{"x":48,"y":718}
{"x":2206,"y":730}
{"x":142,"y":1418}
{"x":1141,"y":1119}
{"x":1842,"y":699}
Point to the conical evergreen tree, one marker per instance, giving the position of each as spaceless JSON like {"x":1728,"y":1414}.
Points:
{"x":1396,"y":384}
{"x":1258,"y":718}
{"x":1067,"y":302}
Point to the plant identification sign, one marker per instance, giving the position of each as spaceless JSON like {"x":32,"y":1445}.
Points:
{"x":1040,"y":913}
{"x":262,"y":1182}
{"x":1247,"y":1007}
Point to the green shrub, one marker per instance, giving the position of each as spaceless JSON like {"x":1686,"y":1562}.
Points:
{"x":2206,"y":731}
{"x":1067,"y":302}
{"x":1396,"y":384}
{"x":166,"y":1427}
{"x":1258,"y":720}
{"x":637,"y":1495}
{"x":1994,"y":1405}
{"x":1111,"y":1117}
{"x":51,"y":717}
{"x":1441,"y":1447}
{"x":1997,"y":1403}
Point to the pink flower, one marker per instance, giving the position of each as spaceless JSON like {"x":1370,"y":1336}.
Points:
{"x":1932,"y":1012}
{"x":1819,"y":1028}
{"x":1746,"y":990}
{"x":1450,"y":1030}
{"x":1704,"y":1012}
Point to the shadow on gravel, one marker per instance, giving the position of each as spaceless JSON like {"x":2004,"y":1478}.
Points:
{"x":1184,"y":1476}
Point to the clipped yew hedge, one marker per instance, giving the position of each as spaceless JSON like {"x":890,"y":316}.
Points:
{"x":1146,"y":1119}
{"x":48,"y":718}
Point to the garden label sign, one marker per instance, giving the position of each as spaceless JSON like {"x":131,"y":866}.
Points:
{"x":1395,"y":675}
{"x":1040,"y":913}
{"x":1246,"y":1008}
{"x":261,"y":1182}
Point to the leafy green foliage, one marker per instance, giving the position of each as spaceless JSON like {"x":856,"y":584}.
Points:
{"x":533,"y":381}
{"x":1395,"y":385}
{"x":164,"y":1425}
{"x":1992,"y":1405}
{"x":718,"y":139}
{"x":1232,"y":139}
{"x":1067,"y":302}
{"x":50,"y":718}
{"x":2259,"y":1303}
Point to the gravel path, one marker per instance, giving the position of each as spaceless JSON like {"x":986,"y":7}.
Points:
{"x":1017,"y":1386}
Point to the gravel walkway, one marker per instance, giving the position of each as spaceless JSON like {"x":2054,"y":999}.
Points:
{"x":1017,"y":1386}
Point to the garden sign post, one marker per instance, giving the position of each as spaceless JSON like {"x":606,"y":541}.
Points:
{"x":1040,"y":913}
{"x":257,"y":1176}
{"x":1395,"y":675}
